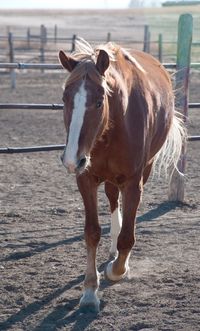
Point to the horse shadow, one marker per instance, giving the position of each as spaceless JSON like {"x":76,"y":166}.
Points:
{"x":160,"y":210}
{"x":35,"y":307}
{"x":40,"y":248}
{"x":62,"y":317}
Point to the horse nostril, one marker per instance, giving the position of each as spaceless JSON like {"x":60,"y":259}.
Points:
{"x":81,"y":163}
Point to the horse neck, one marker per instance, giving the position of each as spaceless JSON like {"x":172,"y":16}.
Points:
{"x":105,"y":120}
{"x":118,"y":100}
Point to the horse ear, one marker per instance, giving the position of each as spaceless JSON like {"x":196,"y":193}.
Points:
{"x":102,"y":62}
{"x":67,"y":62}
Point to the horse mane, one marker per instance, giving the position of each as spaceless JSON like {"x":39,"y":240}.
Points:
{"x":87,"y":55}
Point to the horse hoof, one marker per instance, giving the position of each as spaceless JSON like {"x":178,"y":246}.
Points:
{"x":89,"y":302}
{"x":113,"y":255}
{"x":111,"y":276}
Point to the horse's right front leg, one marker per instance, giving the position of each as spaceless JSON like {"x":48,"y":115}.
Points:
{"x":88,"y":189}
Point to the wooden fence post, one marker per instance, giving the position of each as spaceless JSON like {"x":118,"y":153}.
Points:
{"x":160,"y":47}
{"x":55,"y":33}
{"x":185,"y":27}
{"x":28,"y":35}
{"x":108,"y":37}
{"x":11,"y":60}
{"x":147,"y":34}
{"x":42,"y":44}
{"x":73,"y":43}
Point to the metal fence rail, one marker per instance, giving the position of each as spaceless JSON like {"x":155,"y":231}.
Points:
{"x":52,"y":66}
{"x":48,"y":148}
{"x":31,"y":149}
{"x":55,"y":106}
{"x":20,"y":65}
{"x":193,"y":138}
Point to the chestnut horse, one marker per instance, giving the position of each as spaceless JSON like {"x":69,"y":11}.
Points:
{"x":119,"y":116}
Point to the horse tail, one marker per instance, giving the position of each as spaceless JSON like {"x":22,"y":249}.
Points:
{"x":167,"y":158}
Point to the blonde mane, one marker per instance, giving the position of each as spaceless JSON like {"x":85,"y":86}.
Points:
{"x":87,"y":55}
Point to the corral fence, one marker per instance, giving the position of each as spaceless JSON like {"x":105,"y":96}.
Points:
{"x":182,"y":67}
{"x":51,"y":66}
{"x":43,"y":38}
{"x":40,"y":42}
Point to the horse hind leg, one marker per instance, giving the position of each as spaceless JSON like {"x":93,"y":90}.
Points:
{"x":147,"y":172}
{"x":112,"y":193}
{"x":116,"y":223}
{"x":119,"y":267}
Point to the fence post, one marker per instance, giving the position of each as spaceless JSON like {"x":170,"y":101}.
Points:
{"x":73,"y":43}
{"x":28,"y":35}
{"x":160,"y":47}
{"x":42,"y":44}
{"x":55,"y":33}
{"x":146,"y":47}
{"x":185,"y":27}
{"x":11,"y":60}
{"x":108,"y":37}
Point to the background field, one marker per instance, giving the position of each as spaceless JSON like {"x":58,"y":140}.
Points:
{"x":125,"y":26}
{"x":42,"y":251}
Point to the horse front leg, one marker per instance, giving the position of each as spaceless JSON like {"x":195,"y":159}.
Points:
{"x":118,"y":268}
{"x":88,"y":189}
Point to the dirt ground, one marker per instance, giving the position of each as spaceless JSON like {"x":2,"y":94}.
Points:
{"x":42,"y":250}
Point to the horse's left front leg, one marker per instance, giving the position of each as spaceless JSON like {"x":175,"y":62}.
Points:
{"x":88,"y":189}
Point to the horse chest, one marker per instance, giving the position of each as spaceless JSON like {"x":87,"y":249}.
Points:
{"x":114,"y":167}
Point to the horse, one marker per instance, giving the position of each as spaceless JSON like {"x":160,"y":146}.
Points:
{"x":120,"y":117}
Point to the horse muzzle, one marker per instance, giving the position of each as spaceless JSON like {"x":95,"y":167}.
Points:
{"x":77,"y":166}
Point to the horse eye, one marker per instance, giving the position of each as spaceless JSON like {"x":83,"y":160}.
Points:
{"x":99,"y":104}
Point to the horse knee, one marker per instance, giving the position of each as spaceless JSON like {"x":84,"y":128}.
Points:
{"x":126,"y":241}
{"x":92,"y":235}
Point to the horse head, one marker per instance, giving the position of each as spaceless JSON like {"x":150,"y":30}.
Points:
{"x":85,"y":107}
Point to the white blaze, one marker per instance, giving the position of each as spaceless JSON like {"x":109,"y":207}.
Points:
{"x":70,"y":153}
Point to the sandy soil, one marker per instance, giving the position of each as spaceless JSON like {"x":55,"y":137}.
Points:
{"x":42,"y":251}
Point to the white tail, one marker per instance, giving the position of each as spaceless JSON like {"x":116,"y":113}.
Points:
{"x":167,"y":158}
